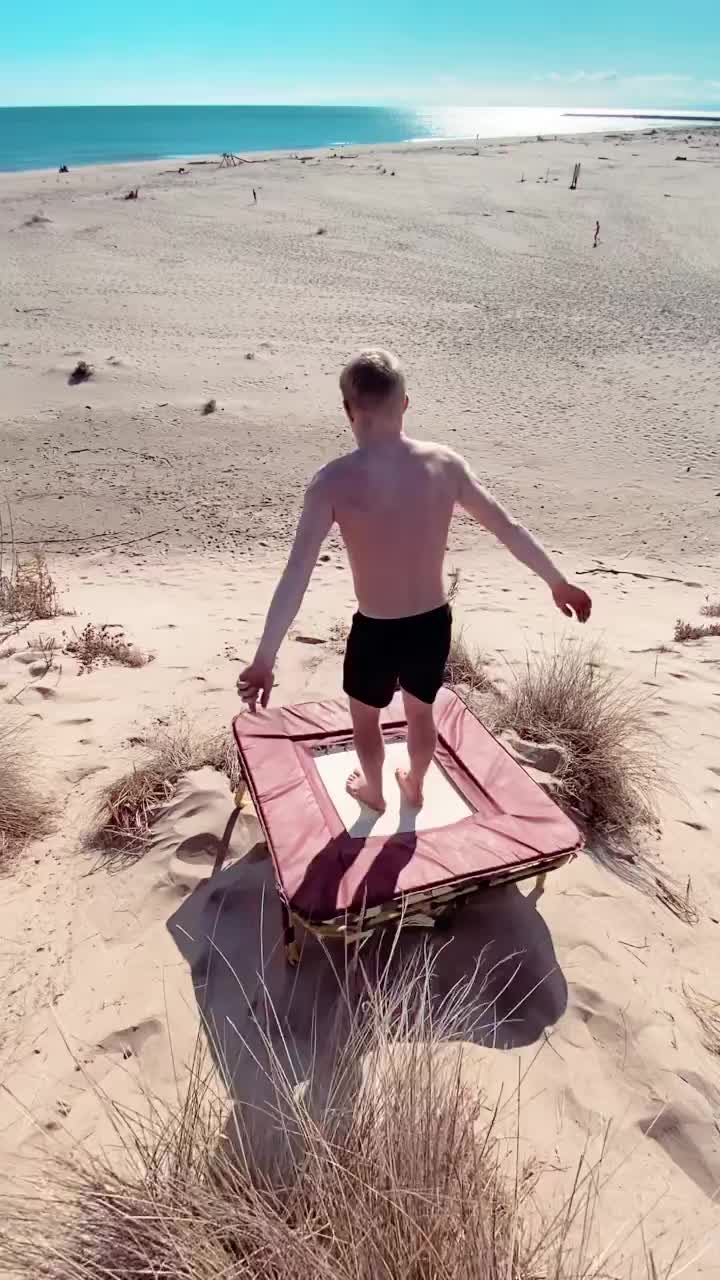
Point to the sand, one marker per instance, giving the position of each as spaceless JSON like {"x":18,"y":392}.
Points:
{"x":582,"y":385}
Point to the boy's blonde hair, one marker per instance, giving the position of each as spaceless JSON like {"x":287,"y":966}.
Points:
{"x":372,"y":377}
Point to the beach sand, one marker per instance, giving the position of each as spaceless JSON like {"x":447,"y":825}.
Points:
{"x":581,"y":384}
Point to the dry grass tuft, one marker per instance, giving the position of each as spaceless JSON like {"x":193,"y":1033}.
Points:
{"x":24,"y":809}
{"x":707,"y":1012}
{"x":27,"y":590}
{"x":129,"y":804}
{"x":465,"y":668}
{"x":98,"y":646}
{"x":612,"y":769}
{"x":209,"y":407}
{"x":681,"y":902}
{"x":685,"y":631}
{"x":453,"y":586}
{"x":399,"y":1174}
{"x":711,"y":609}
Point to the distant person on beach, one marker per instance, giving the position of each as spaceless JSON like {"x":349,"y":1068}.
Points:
{"x":393,"y":499}
{"x":596,"y":237}
{"x":63,"y":169}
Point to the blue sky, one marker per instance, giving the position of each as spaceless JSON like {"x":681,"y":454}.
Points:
{"x":454,"y":52}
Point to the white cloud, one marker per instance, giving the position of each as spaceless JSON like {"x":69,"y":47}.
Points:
{"x":580,"y":77}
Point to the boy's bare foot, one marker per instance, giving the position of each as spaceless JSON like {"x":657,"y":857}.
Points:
{"x":411,"y":789}
{"x":361,"y":790}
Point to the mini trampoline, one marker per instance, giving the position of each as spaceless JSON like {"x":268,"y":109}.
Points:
{"x":342,"y":869}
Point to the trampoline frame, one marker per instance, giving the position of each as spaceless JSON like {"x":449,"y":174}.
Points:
{"x":277,"y":743}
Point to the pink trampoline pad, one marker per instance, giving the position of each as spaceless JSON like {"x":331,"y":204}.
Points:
{"x":511,"y":826}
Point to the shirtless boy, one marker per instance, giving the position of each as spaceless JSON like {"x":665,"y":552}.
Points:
{"x":393,"y":500}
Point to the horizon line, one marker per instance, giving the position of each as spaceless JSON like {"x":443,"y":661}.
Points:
{"x":675,"y":111}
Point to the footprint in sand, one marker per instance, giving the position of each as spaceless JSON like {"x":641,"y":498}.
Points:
{"x":702,"y":1086}
{"x":78,"y":720}
{"x":129,"y":1041}
{"x":675,"y":1130}
{"x":74,"y":776}
{"x":28,"y":657}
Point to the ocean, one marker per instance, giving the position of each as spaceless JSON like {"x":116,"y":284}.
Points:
{"x":46,"y":137}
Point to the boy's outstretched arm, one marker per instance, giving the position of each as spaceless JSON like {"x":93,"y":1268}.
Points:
{"x":315,"y":523}
{"x":521,"y":543}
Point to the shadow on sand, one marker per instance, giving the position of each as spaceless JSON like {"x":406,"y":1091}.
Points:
{"x":261,"y":1016}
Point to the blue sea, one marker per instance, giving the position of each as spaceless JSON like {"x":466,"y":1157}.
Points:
{"x":46,"y":137}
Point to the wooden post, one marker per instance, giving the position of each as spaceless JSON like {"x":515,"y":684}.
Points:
{"x":575,"y":178}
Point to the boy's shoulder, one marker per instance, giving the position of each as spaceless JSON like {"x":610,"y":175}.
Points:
{"x":436,"y":452}
{"x":332,"y":471}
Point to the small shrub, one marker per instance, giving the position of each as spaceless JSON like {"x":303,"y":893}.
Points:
{"x":97,"y":646}
{"x":24,"y":808}
{"x":128,"y":805}
{"x":321,"y":231}
{"x":209,"y":407}
{"x":27,"y":590}
{"x":711,"y":609}
{"x":44,"y":647}
{"x":612,"y":769}
{"x":685,"y":631}
{"x":81,"y":373}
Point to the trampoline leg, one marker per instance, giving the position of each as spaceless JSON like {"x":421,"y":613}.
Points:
{"x":292,"y":951}
{"x":540,"y":883}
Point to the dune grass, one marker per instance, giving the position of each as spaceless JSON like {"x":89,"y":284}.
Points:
{"x":465,"y":667}
{"x":128,"y":805}
{"x":394,"y":1168}
{"x":711,"y":609}
{"x":24,"y":809}
{"x":707,"y":1012}
{"x":611,"y":772}
{"x":27,"y":589}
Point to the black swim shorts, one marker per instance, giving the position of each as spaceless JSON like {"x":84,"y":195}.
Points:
{"x":383,"y":653}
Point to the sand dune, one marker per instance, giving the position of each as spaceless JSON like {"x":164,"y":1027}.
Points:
{"x":581,"y":383}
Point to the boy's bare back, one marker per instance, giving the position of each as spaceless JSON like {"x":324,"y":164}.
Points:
{"x":393,"y":506}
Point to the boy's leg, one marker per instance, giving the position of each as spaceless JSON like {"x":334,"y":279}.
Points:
{"x":369,"y":678}
{"x":421,"y":743}
{"x":427,"y":644}
{"x":365,"y":783}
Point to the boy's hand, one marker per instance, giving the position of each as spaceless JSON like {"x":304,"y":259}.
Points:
{"x":255,"y":682}
{"x":572,"y":600}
